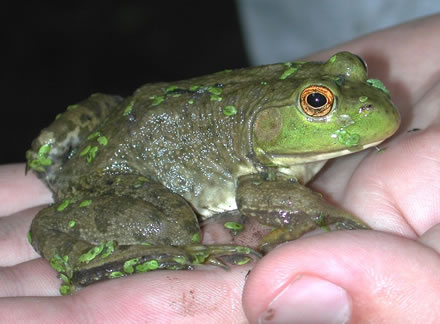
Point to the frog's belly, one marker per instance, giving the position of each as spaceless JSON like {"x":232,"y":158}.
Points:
{"x":213,"y":199}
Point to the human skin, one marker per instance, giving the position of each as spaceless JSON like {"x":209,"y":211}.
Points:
{"x":388,"y":275}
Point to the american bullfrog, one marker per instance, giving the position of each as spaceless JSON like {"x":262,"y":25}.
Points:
{"x":133,"y":178}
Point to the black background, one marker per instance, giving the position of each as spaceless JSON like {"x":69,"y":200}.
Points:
{"x":54,"y":54}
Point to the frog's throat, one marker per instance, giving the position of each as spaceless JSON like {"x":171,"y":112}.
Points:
{"x":293,"y":159}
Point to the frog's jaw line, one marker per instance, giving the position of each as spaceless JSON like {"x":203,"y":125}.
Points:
{"x":286,"y":160}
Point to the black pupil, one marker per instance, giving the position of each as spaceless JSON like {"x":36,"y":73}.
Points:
{"x":316,"y":100}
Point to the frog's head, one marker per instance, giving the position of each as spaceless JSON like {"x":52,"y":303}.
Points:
{"x":331,"y":109}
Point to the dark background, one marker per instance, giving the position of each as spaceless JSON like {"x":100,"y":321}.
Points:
{"x":57,"y":54}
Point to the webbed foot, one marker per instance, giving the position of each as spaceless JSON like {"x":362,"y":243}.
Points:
{"x":101,"y":263}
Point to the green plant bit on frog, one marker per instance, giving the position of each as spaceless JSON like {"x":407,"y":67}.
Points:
{"x":85,"y":203}
{"x":128,"y":265}
{"x":63,"y":205}
{"x":378,"y":84}
{"x":139,"y":175}
{"x":42,"y":159}
{"x":147,"y":266}
{"x":229,"y":110}
{"x":291,"y":69}
{"x":234,"y":227}
{"x":29,"y":237}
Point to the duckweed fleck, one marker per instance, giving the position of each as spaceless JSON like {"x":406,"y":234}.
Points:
{"x":216,"y":98}
{"x":109,"y":248}
{"x":157,"y":100}
{"x":291,"y":70}
{"x":66,"y":289}
{"x":85,"y":151}
{"x":171,"y":88}
{"x":229,"y":110}
{"x":102,"y":140}
{"x":91,"y":254}
{"x":90,"y":152}
{"x":85,"y":203}
{"x":147,"y":266}
{"x":63,"y":205}
{"x":215,"y":90}
{"x":128,"y":265}
{"x":116,"y":274}
{"x":347,"y":138}
{"x":379,"y":85}
{"x":42,"y":159}
{"x":180,"y":259}
{"x":234,"y":226}
{"x":196,"y":238}
{"x":194,"y":88}
{"x":29,"y":237}
{"x":61,"y":264}
{"x":93,"y":135}
{"x":129,"y":108}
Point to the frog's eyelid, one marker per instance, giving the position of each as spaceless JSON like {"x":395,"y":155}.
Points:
{"x":363,"y":63}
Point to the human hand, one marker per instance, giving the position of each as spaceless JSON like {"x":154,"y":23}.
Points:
{"x":388,"y":275}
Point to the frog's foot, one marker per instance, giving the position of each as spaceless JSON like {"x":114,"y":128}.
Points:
{"x":315,"y":225}
{"x":213,"y":254}
{"x":100,"y":262}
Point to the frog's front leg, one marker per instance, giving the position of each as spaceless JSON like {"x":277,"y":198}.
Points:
{"x":125,"y":224}
{"x":291,"y":208}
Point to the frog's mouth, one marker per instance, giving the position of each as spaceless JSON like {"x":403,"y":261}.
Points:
{"x":292,"y":159}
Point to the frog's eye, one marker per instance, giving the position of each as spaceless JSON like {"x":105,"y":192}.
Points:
{"x":316,"y":101}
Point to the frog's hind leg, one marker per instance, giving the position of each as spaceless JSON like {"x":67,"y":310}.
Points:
{"x":291,"y":209}
{"x":58,"y":141}
{"x":132,"y":226}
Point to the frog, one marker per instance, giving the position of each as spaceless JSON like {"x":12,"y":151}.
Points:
{"x":134,"y":178}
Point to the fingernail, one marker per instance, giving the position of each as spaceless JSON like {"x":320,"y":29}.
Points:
{"x":309,"y":299}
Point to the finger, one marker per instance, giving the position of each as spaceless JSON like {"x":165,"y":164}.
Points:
{"x":15,"y":247}
{"x":32,"y":278}
{"x":397,"y":190}
{"x":345,"y":276}
{"x":19,"y":191}
{"x":426,"y":110}
{"x":431,"y":238}
{"x":156,"y":297}
{"x":395,"y":65}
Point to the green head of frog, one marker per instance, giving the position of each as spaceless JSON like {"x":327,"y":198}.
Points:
{"x":332,"y":109}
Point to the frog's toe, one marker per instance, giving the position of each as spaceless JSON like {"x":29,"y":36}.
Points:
{"x":216,"y":254}
{"x":313,"y":226}
{"x":126,"y":260}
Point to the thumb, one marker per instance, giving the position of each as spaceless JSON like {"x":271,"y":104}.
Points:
{"x":346,"y":276}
